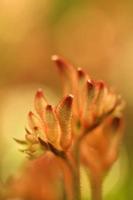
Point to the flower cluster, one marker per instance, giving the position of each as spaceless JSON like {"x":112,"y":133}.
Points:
{"x":86,"y":124}
{"x":50,"y":128}
{"x":97,"y":117}
{"x":93,"y":100}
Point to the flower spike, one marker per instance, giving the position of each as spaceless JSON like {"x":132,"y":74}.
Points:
{"x":85,"y":127}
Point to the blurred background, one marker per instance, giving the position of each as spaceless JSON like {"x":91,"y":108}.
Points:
{"x":95,"y":35}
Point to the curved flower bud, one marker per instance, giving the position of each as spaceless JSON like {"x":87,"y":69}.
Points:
{"x":87,"y":117}
{"x":90,"y":88}
{"x":40,"y":102}
{"x":64,"y":113}
{"x":100,"y":149}
{"x":52,"y":127}
{"x":114,"y":129}
{"x":68,"y":74}
{"x":81,"y":84}
{"x":36,"y":125}
{"x":33,"y":121}
{"x":102,"y":93}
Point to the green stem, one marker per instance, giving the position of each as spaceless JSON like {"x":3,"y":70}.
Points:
{"x":77,"y":171}
{"x":75,"y":179}
{"x":76,"y":182}
{"x":96,"y":188}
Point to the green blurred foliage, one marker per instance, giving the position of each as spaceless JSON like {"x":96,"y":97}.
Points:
{"x":60,"y":8}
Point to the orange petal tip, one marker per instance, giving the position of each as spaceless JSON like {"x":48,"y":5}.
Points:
{"x":39,"y":93}
{"x":60,"y":62}
{"x":30,"y":114}
{"x":49,"y":107}
{"x":68,"y":100}
{"x":71,"y":96}
{"x":55,"y":57}
{"x":80,"y":73}
{"x":100,"y":85}
{"x":90,"y":84}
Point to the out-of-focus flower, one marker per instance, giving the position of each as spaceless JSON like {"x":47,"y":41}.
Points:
{"x":100,"y":148}
{"x":40,"y":179}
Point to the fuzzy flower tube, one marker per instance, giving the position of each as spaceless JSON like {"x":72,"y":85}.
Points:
{"x":84,"y":128}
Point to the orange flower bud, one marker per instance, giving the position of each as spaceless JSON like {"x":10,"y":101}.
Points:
{"x":64,"y":113}
{"x":52,"y":127}
{"x":40,"y":102}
